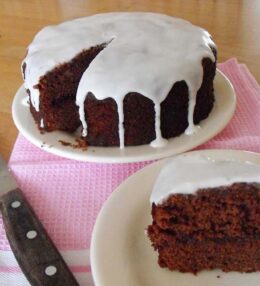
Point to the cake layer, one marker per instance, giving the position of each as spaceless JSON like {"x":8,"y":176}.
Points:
{"x":58,"y":88}
{"x":228,"y":211}
{"x":227,"y":254}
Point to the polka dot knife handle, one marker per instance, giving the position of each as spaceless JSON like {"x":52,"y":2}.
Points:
{"x":36,"y":254}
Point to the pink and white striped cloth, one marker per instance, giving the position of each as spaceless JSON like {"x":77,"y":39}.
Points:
{"x":67,"y":195}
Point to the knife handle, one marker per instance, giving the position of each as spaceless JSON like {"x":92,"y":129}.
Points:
{"x":36,"y":254}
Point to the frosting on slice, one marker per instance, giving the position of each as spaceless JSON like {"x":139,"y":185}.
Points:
{"x":185,"y":174}
{"x":145,"y":53}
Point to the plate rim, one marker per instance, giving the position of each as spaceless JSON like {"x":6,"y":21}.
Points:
{"x":92,"y":154}
{"x":238,"y":155}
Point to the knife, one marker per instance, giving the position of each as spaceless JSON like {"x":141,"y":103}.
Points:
{"x":36,"y":254}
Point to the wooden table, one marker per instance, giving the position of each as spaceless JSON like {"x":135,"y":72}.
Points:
{"x":234,"y":25}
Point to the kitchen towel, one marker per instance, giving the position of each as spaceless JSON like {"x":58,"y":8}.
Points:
{"x":67,"y":195}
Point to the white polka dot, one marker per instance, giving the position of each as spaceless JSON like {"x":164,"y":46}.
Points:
{"x":31,"y":234}
{"x":15,"y":204}
{"x":50,"y":270}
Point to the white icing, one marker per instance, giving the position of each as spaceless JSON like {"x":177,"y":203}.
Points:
{"x":41,"y":123}
{"x":186,"y":174}
{"x":145,"y":53}
{"x":192,"y":102}
{"x":120,"y":110}
{"x":159,"y":141}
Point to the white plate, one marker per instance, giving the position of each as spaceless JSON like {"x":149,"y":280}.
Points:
{"x":121,"y":254}
{"x":221,"y":114}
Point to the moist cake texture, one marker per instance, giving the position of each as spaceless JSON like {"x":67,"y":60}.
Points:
{"x":126,"y":78}
{"x":206,"y":215}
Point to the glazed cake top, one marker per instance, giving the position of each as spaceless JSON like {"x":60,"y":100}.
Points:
{"x":185,"y":174}
{"x":145,"y":53}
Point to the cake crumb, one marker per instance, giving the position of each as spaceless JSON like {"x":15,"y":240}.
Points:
{"x":64,"y":143}
{"x":218,"y":276}
{"x":43,"y":144}
{"x":80,"y":144}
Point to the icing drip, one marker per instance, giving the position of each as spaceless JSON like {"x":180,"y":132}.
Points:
{"x":192,"y":102}
{"x":159,"y":141}
{"x":145,"y":53}
{"x":80,"y":103}
{"x":42,"y":124}
{"x":185,"y":174}
{"x":120,"y":110}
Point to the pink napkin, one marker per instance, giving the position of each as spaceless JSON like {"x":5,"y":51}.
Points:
{"x":67,"y":195}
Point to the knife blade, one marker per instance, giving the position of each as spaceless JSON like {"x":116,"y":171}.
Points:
{"x":35,"y":253}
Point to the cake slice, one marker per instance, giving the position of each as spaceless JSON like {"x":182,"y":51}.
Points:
{"x":206,"y":215}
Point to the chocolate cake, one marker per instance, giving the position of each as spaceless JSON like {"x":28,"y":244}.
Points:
{"x":206,"y":215}
{"x":125,"y":78}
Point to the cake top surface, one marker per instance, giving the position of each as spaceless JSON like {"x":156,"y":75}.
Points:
{"x":185,"y":174}
{"x":145,"y":53}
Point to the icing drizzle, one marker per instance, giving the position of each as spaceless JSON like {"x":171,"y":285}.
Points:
{"x":185,"y":174}
{"x":145,"y":53}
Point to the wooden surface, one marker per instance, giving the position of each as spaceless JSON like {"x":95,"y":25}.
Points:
{"x":233,"y":24}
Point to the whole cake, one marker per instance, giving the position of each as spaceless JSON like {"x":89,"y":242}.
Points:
{"x":206,"y":215}
{"x":125,"y":78}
